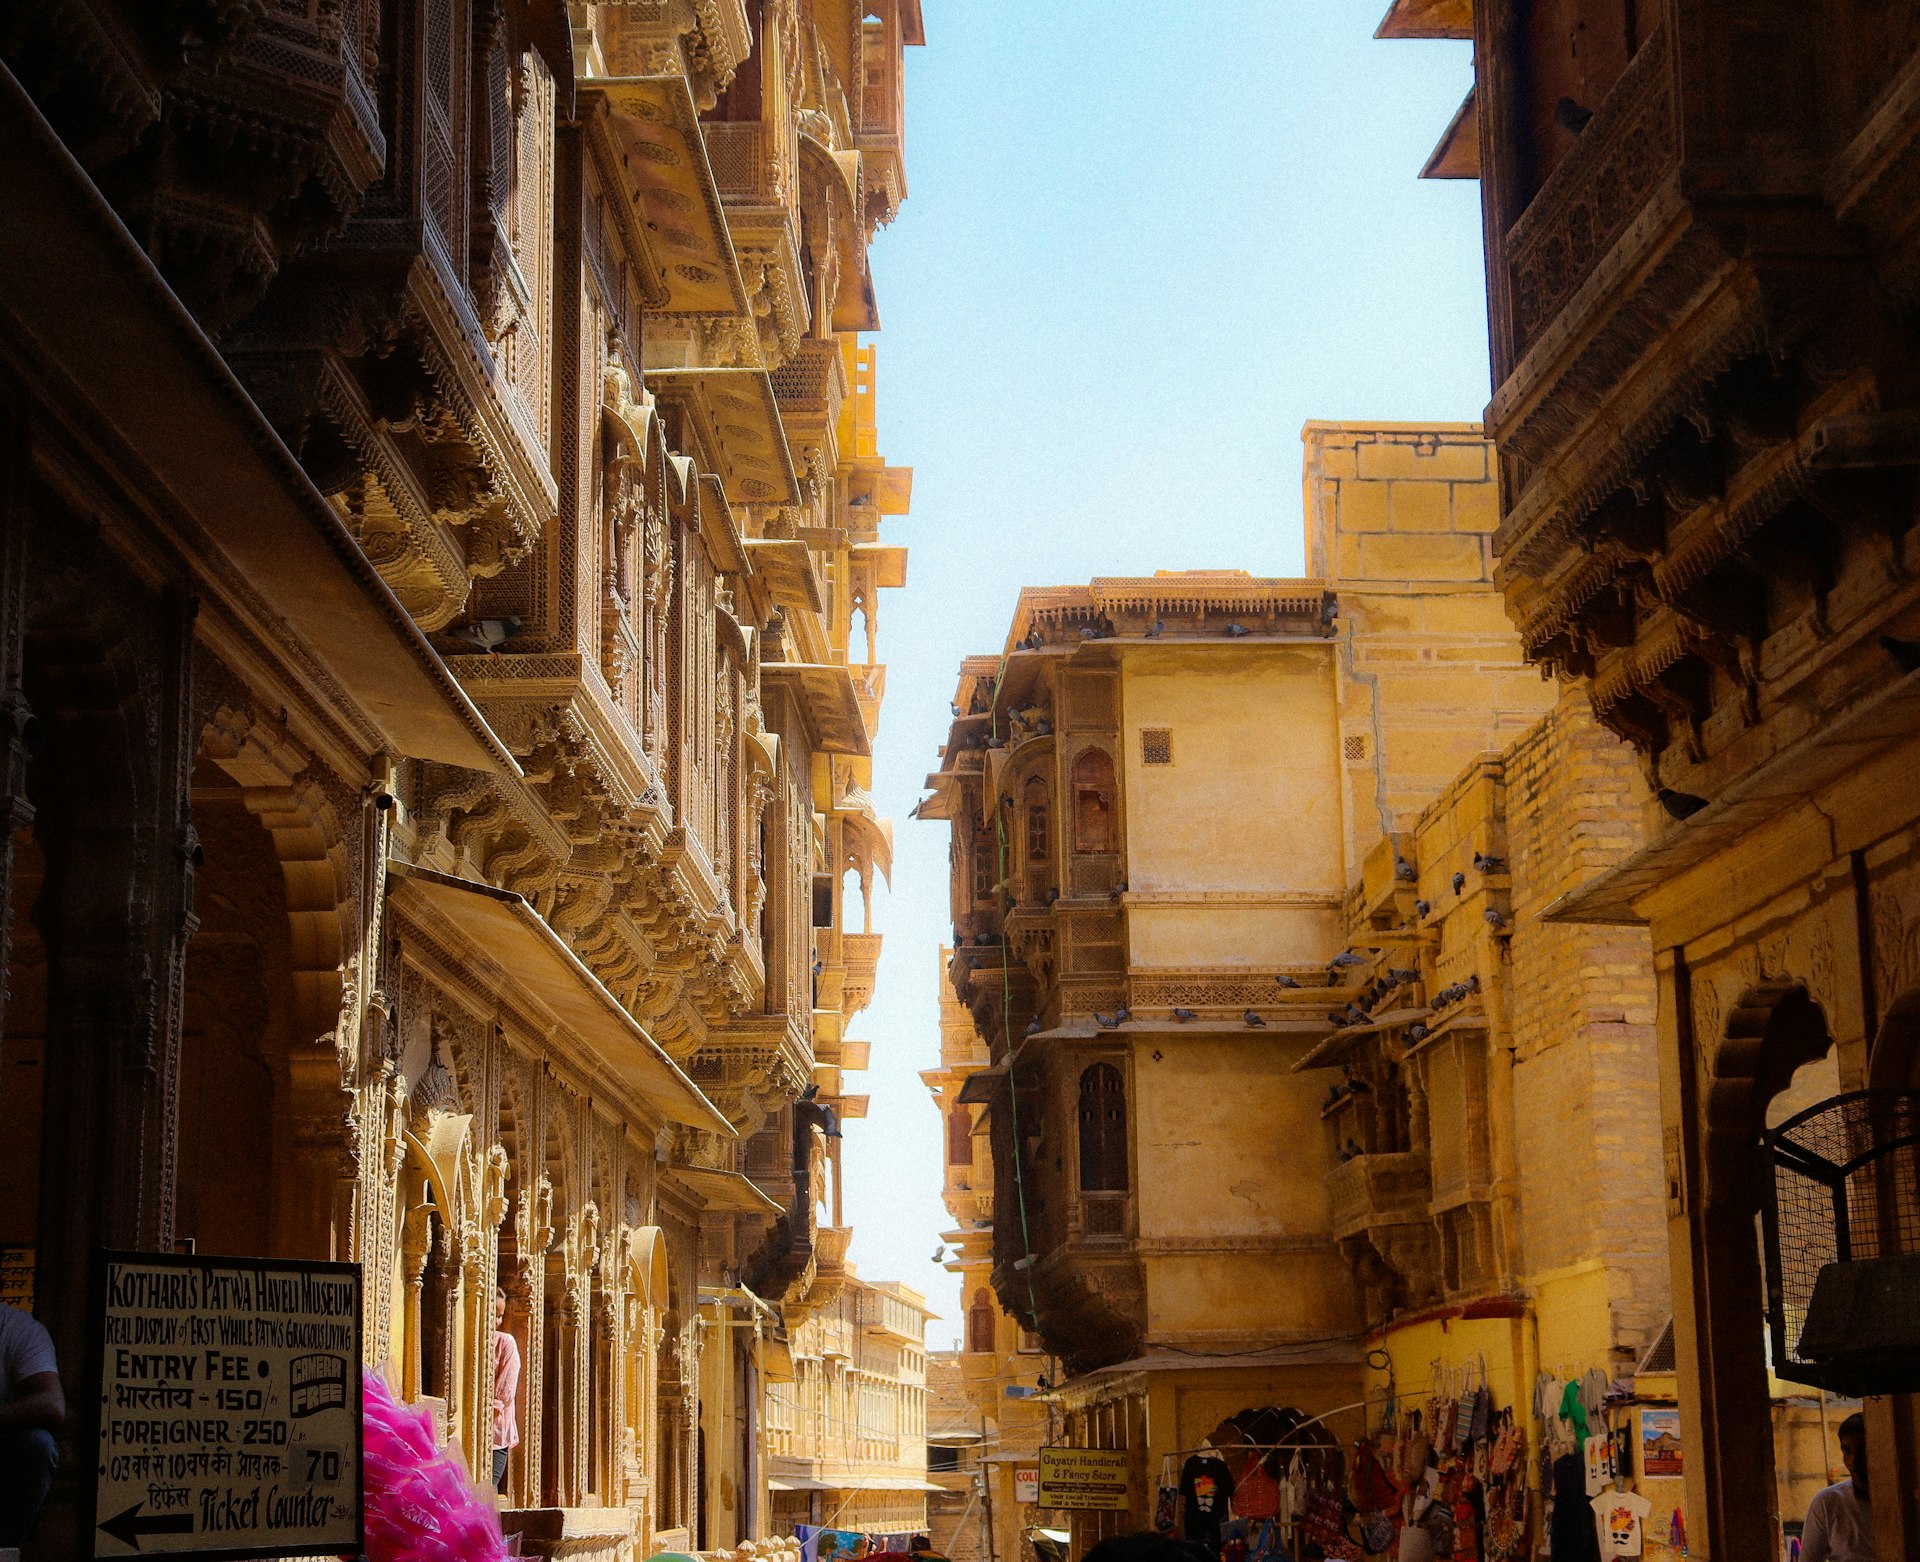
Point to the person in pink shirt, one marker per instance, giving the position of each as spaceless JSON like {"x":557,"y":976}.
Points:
{"x":506,"y":1391}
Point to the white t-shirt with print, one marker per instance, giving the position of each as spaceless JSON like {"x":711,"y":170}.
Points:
{"x":26,"y":1350}
{"x":1621,"y":1517}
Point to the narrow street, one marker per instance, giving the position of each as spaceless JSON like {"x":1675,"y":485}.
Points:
{"x":1396,"y":1011}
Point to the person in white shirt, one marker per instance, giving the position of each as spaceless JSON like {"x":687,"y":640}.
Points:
{"x":32,"y":1410}
{"x":1839,"y":1525}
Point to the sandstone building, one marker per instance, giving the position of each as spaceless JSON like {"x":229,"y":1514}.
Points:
{"x":438,"y":607}
{"x":1700,"y":258}
{"x":997,"y":1371}
{"x":846,"y":1431}
{"x":962,"y":1523}
{"x":1173,"y":802}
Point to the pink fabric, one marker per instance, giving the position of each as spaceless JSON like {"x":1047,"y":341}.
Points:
{"x":420,"y":1506}
{"x":506,"y":1390}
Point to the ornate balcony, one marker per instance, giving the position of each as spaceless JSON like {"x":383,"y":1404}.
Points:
{"x":1372,"y":1191}
{"x":1382,"y":1227}
{"x":861,"y":954}
{"x":1701,"y":402}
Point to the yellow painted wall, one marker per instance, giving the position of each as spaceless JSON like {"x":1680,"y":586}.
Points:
{"x":1249,"y":807}
{"x":1230,"y":1173}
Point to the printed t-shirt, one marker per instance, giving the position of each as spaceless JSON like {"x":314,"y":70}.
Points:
{"x":1206,"y":1487}
{"x":1621,"y":1516}
{"x":1599,"y":1451}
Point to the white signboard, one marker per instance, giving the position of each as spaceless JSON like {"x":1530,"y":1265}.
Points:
{"x":1026,"y":1484}
{"x":229,"y":1407}
{"x":1083,"y":1478}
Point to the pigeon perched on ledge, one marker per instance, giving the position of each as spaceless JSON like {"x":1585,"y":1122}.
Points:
{"x":489,"y":634}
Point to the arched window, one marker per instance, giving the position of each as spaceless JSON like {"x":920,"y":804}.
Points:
{"x":1094,"y":831}
{"x":980,"y":1322}
{"x":1103,"y":1130}
{"x":959,"y":1136}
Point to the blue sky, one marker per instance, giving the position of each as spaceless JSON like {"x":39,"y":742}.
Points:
{"x":1145,"y":242}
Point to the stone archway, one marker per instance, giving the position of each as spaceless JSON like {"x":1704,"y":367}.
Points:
{"x":1772,"y":1030}
{"x":281,"y":899}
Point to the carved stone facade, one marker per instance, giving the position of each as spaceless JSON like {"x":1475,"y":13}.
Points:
{"x":442,"y":482}
{"x":1701,"y":253}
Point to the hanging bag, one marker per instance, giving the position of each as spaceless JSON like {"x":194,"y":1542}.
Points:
{"x":1482,"y":1420}
{"x":1166,"y":1504}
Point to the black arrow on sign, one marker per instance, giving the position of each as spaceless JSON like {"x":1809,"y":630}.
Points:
{"x":128,"y":1527}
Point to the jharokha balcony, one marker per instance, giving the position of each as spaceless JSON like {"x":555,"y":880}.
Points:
{"x":1706,"y":431}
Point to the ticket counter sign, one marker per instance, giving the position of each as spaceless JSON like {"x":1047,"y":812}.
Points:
{"x":1084,"y":1478}
{"x":229,"y":1407}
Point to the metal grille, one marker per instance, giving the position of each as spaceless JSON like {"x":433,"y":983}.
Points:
{"x":1842,"y":1227}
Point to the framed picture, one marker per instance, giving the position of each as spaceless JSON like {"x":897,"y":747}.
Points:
{"x":1660,"y":1442}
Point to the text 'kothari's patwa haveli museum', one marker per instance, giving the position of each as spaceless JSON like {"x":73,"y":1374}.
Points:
{"x":442,"y":569}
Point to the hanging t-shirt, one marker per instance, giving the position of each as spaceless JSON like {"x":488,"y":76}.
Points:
{"x":1621,"y":1516}
{"x":1599,"y":1463}
{"x":1206,"y":1490}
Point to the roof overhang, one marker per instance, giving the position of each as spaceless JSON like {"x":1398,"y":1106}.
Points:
{"x":670,"y":183}
{"x":736,"y":415}
{"x":862,"y":819}
{"x":501,"y":929}
{"x":784,"y":567}
{"x":130,"y":374}
{"x":1458,"y":154}
{"x":1427,"y":19}
{"x":981,"y":1088}
{"x":1844,"y":743}
{"x":886,"y":562}
{"x":728,"y":1190}
{"x":825,"y":691}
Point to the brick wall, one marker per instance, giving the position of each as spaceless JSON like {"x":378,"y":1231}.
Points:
{"x":1581,"y":1009}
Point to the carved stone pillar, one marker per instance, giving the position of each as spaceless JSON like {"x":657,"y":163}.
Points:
{"x":416,"y":1241}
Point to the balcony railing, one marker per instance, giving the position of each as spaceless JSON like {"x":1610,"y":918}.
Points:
{"x":1591,"y":199}
{"x":1378,"y":1190}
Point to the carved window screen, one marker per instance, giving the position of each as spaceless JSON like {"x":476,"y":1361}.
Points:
{"x":984,"y":856}
{"x":1038,"y":848}
{"x":1156,"y":745}
{"x":1103,"y":1130}
{"x":980,"y":1322}
{"x":1094,"y":830}
{"x":959,"y":1136}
